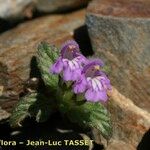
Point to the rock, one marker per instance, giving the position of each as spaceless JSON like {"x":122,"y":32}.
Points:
{"x":130,"y":122}
{"x":59,"y":5}
{"x":18,"y":46}
{"x":19,"y":9}
{"x":116,"y":145}
{"x":120,"y":35}
{"x":15,"y":9}
{"x":120,"y":32}
{"x":3,"y":114}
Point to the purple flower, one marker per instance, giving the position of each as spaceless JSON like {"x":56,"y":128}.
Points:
{"x":70,"y":61}
{"x":93,"y":82}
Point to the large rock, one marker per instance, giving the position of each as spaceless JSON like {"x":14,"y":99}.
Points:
{"x":3,"y":114}
{"x":59,"y":5}
{"x":130,"y":122}
{"x":17,"y":9}
{"x":18,"y":46}
{"x":117,"y":145}
{"x":120,"y":35}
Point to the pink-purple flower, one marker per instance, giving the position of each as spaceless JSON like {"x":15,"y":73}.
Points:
{"x":93,"y":82}
{"x":70,"y":61}
{"x":84,"y":73}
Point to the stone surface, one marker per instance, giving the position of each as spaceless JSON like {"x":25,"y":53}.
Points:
{"x":18,"y":46}
{"x":120,"y":35}
{"x":117,"y":145}
{"x":130,"y":122}
{"x":17,"y":9}
{"x":121,"y":8}
{"x":3,"y":114}
{"x":59,"y":5}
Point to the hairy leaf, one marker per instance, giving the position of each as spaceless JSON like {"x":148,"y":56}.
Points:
{"x":21,"y":111}
{"x":92,"y":115}
{"x":34,"y":105}
{"x":47,"y":55}
{"x":42,"y":108}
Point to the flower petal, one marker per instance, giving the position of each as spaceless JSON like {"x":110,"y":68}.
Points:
{"x":101,"y":96}
{"x":76,"y":74}
{"x":71,"y":75}
{"x":90,"y":95}
{"x":69,"y":44}
{"x":67,"y":74}
{"x":57,"y":67}
{"x":81,"y":59}
{"x":92,"y":63}
{"x":80,"y":85}
{"x":95,"y":96}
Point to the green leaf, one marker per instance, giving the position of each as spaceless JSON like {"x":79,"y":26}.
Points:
{"x":35,"y":105}
{"x":47,"y":55}
{"x":92,"y":115}
{"x":21,"y":111}
{"x":65,"y":99}
{"x":42,"y":108}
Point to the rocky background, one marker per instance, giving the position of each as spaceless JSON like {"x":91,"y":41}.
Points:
{"x":118,"y":31}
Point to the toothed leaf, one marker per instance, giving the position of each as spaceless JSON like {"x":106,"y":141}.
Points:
{"x":92,"y":115}
{"x":21,"y":110}
{"x":31,"y":105}
{"x":47,"y":56}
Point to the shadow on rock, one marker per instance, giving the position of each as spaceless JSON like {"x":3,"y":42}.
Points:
{"x":82,"y":38}
{"x":145,"y":142}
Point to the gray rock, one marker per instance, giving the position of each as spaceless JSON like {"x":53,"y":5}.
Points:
{"x":130,"y":122}
{"x":120,"y":35}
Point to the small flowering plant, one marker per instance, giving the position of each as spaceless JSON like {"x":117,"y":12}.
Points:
{"x":75,"y":85}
